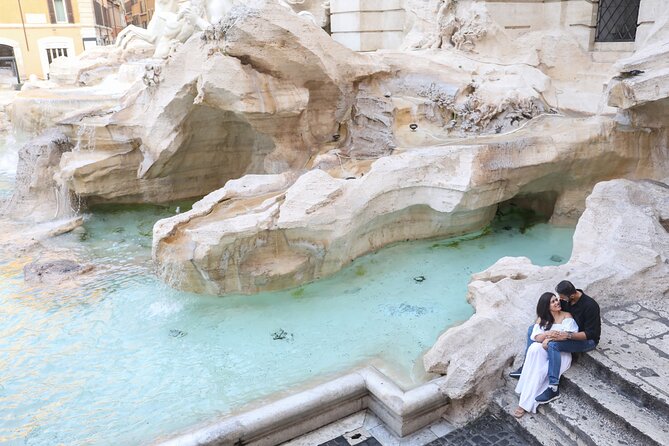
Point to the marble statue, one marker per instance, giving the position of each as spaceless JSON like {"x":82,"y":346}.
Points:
{"x":447,"y":25}
{"x":173,"y":22}
{"x":217,"y":9}
{"x":165,"y":11}
{"x":314,"y":10}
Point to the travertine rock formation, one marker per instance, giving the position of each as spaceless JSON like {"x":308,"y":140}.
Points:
{"x":259,"y":93}
{"x":338,"y":153}
{"x":549,"y":37}
{"x":39,"y":195}
{"x":289,"y":234}
{"x":621,"y":249}
{"x":641,"y":87}
{"x":6,"y":98}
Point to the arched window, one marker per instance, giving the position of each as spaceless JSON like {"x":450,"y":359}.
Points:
{"x":6,"y":51}
{"x":8,"y":69}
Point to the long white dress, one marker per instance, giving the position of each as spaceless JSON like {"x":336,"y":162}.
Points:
{"x":534,"y":379}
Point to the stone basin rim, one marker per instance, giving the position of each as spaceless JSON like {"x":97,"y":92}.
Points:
{"x":403,"y":412}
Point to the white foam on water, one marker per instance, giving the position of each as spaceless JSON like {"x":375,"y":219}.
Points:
{"x":9,"y":155}
{"x":164,"y":308}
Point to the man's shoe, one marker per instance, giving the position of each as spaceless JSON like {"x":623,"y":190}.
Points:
{"x":547,"y":396}
{"x":516,"y":373}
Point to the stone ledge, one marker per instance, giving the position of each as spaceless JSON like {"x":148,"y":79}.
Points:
{"x":402,"y":412}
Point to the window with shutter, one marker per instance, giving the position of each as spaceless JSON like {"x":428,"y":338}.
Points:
{"x":70,"y":11}
{"x":52,"y":13}
{"x":60,"y":11}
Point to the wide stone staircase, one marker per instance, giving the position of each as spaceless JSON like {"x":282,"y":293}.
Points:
{"x":617,"y":394}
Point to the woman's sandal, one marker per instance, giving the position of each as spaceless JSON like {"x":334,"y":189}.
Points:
{"x":519,"y":412}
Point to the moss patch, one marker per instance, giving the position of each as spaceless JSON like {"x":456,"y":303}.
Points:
{"x":297,"y":293}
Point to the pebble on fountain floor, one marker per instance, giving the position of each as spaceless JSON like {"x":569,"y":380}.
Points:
{"x":53,"y":270}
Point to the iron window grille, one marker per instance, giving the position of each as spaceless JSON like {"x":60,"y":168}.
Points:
{"x":617,"y":20}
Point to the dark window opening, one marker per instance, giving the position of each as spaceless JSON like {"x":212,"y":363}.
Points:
{"x":6,"y":51}
{"x":52,"y":53}
{"x":617,"y":20}
{"x":8,"y":63}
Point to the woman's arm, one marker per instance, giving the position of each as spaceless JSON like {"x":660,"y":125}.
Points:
{"x":538,"y":333}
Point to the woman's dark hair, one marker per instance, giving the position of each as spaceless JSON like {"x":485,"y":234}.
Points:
{"x":544,"y":311}
{"x":566,"y":288}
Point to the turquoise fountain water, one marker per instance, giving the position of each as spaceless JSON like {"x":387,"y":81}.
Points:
{"x":119,"y":358}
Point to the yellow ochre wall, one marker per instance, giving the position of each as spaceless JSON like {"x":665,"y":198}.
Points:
{"x":9,"y":12}
{"x":11,"y":33}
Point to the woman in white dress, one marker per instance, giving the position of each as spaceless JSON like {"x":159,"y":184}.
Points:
{"x":534,"y":378}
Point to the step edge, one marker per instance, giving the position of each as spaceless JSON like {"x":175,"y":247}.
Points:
{"x":644,"y":414}
{"x":613,"y":417}
{"x":633,"y":382}
{"x":540,"y":422}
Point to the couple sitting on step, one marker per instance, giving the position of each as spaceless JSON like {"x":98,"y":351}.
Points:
{"x":565,"y":325}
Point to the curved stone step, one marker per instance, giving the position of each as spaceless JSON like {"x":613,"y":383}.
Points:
{"x":641,"y":410}
{"x":589,"y":422}
{"x":576,"y":419}
{"x":641,"y":359}
{"x":615,"y":405}
{"x":536,"y":425}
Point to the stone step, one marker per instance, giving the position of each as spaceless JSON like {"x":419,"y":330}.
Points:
{"x":616,"y":394}
{"x":575,"y":419}
{"x":635,"y":347}
{"x":607,"y":383}
{"x":536,"y":425}
{"x":579,"y":413}
{"x":621,"y":375}
{"x":618,"y":402}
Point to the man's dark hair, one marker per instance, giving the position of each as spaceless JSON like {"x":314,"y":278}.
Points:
{"x":566,"y":288}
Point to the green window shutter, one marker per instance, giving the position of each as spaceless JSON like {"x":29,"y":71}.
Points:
{"x":52,"y":13}
{"x":70,"y":13}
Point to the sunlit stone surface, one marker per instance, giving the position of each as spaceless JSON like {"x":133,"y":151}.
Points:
{"x":304,"y":155}
{"x":371,"y":148}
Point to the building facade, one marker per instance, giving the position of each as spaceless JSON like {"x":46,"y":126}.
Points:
{"x":369,"y":25}
{"x":34,"y":32}
{"x":139,"y":12}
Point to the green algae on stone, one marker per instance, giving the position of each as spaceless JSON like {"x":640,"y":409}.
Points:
{"x":297,"y":293}
{"x":455,"y":242}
